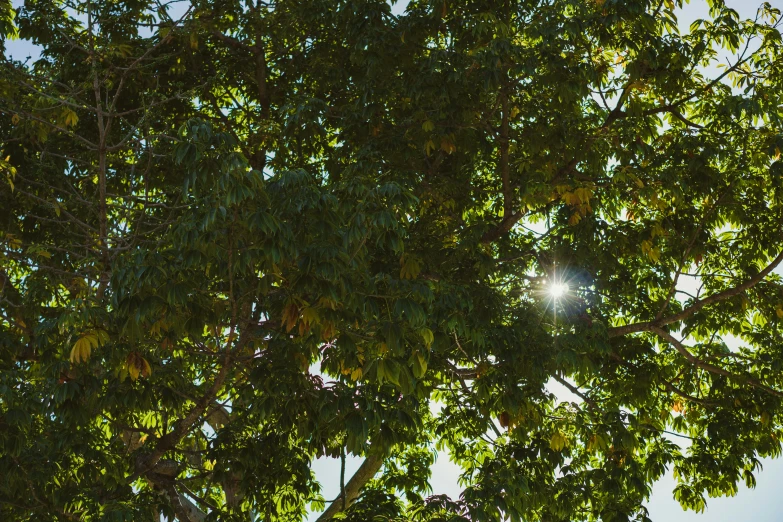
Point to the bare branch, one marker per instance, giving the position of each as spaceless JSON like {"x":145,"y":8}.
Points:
{"x":576,"y":391}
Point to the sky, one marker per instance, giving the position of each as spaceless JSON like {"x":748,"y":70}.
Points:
{"x":762,"y":504}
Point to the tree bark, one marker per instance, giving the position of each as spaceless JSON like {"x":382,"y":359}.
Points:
{"x":368,"y":469}
{"x":184,"y":508}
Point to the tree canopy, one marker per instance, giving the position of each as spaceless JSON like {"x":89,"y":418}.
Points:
{"x":238,"y":235}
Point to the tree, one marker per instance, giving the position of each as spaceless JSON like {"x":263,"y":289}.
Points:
{"x":240,"y":235}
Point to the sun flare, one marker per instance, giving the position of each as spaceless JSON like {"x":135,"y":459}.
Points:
{"x":558,"y":290}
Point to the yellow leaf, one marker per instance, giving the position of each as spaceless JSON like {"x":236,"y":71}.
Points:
{"x":133,"y":371}
{"x":310,"y":316}
{"x":80,"y":350}
{"x":410,"y":266}
{"x":137,"y":366}
{"x":447,"y":146}
{"x":558,"y":441}
{"x":356,"y":374}
{"x":779,"y":312}
{"x":583,"y":194}
{"x":83,"y":347}
{"x":598,"y":441}
{"x":327,"y":302}
{"x":193,"y":41}
{"x":290,"y":315}
{"x":570,"y":198}
{"x":421,"y":369}
{"x":428,"y":126}
{"x":158,"y":326}
{"x":427,"y":336}
{"x":328,"y":331}
{"x":70,"y":118}
{"x":102,"y":336}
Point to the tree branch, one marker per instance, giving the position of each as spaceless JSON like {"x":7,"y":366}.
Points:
{"x":183,"y":507}
{"x":232,"y":42}
{"x":647,"y":326}
{"x":576,"y":391}
{"x":508,"y":204}
{"x":677,"y":391}
{"x":704,"y":365}
{"x":366,"y":471}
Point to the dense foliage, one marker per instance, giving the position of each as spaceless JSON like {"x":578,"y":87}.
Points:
{"x":236,"y":235}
